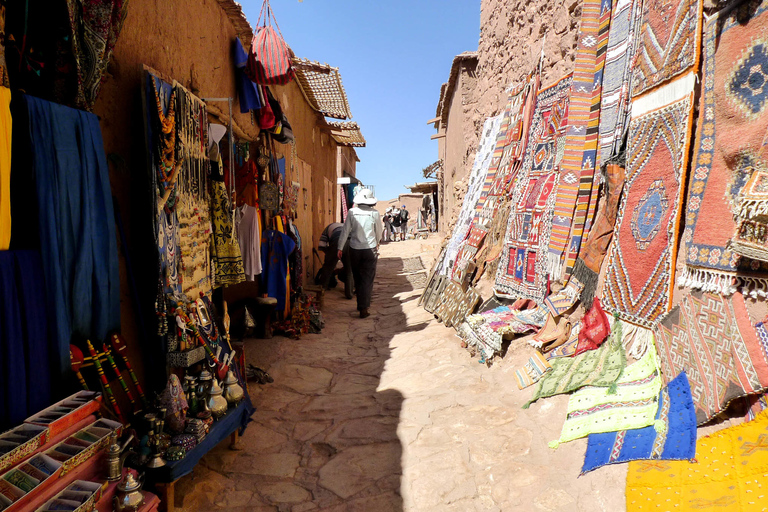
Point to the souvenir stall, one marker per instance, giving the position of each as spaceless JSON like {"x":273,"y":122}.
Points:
{"x":625,"y":242}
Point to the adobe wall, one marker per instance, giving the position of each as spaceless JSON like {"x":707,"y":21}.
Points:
{"x":191,"y":42}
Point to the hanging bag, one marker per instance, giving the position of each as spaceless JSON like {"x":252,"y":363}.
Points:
{"x":269,"y":62}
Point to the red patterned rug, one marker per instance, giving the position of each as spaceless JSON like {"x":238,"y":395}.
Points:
{"x":712,"y":339}
{"x":522,"y":271}
{"x":669,"y":42}
{"x":639,"y":279}
{"x":731,"y":141}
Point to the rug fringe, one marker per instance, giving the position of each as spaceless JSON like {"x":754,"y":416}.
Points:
{"x":636,"y":340}
{"x":554,"y":266}
{"x":670,"y":93}
{"x":711,"y":281}
{"x":587,"y":277}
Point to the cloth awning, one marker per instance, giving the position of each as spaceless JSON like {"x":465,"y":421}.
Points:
{"x":347,"y":134}
{"x":322,"y":88}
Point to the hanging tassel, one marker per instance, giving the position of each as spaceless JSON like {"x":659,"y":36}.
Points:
{"x":554,"y":444}
{"x":660,"y":426}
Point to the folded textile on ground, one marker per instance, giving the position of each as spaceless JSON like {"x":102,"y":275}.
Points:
{"x":601,"y":367}
{"x":567,"y":349}
{"x":532,"y":371}
{"x":632,"y":404}
{"x":729,"y":474}
{"x":675,"y":441}
{"x":712,"y":339}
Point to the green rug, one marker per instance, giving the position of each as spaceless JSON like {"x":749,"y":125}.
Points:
{"x":601,"y":367}
{"x":593,"y":410}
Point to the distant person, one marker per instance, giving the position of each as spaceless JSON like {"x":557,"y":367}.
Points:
{"x":403,"y":222}
{"x":387,"y":225}
{"x":395,"y":223}
{"x":329,"y":245}
{"x":363,"y":229}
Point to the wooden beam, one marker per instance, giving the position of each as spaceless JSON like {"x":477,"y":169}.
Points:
{"x":437,"y":136}
{"x":433,"y":121}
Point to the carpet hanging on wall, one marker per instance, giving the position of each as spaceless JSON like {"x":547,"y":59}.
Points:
{"x":710,"y":337}
{"x":729,"y":145}
{"x":668,"y":44}
{"x":474,"y":189}
{"x":639,"y":279}
{"x":522,"y":271}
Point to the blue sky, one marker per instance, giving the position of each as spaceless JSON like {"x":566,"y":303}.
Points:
{"x":393,"y":56}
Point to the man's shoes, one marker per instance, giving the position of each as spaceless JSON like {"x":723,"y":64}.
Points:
{"x":364,"y":313}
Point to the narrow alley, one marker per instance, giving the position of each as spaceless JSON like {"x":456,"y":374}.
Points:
{"x":389,"y":413}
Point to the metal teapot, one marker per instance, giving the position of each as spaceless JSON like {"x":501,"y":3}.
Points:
{"x":128,"y":496}
{"x":233,"y":392}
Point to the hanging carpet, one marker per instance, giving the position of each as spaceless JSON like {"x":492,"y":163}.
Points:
{"x":668,"y":44}
{"x":639,"y":280}
{"x":711,"y":338}
{"x":522,"y":271}
{"x":475,"y":187}
{"x":729,"y":144}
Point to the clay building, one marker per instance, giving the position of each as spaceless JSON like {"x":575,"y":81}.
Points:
{"x":196,"y":50}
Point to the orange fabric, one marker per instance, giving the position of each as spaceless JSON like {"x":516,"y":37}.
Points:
{"x":5,"y":168}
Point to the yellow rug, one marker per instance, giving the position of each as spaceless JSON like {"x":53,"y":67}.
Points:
{"x":731,"y":473}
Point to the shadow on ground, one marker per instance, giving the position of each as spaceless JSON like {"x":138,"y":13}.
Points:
{"x":323,"y":437}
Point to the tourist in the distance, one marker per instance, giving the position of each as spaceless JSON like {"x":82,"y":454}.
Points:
{"x":404,"y":215}
{"x":363,"y":229}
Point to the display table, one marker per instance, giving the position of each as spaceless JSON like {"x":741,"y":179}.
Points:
{"x":92,"y":469}
{"x":229,"y":425}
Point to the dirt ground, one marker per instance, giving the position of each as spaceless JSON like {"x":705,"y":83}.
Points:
{"x":389,"y":413}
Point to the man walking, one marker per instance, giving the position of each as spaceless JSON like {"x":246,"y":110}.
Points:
{"x":388,"y":225}
{"x":363,"y":229}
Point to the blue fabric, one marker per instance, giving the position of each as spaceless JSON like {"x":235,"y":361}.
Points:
{"x":677,"y":442}
{"x":275,"y":249}
{"x":13,"y":380}
{"x":247,"y":91}
{"x":76,"y":223}
{"x":25,"y":377}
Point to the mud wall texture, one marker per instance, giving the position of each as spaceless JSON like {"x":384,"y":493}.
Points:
{"x":512,"y":35}
{"x":191,"y":41}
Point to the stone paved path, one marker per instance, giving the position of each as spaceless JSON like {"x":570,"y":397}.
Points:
{"x":389,"y":413}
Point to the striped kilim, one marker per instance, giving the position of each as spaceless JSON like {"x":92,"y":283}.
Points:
{"x":586,"y":203}
{"x":578,"y":119}
{"x":639,"y":279}
{"x":668,"y":44}
{"x":614,"y":109}
{"x":522,"y":270}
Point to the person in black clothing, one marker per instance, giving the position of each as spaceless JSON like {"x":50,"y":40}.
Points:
{"x":403,"y":222}
{"x":395,"y":223}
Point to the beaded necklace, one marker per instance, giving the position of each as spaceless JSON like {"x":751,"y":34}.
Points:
{"x":166,"y":139}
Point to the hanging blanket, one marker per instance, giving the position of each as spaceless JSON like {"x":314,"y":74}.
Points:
{"x":669,"y":43}
{"x":632,"y":404}
{"x":584,"y":78}
{"x":586,"y":200}
{"x":750,"y":237}
{"x":675,"y":440}
{"x":474,"y":189}
{"x":733,"y":121}
{"x":522,"y":271}
{"x":639,"y":280}
{"x":614,"y":108}
{"x":601,"y":367}
{"x":78,"y":242}
{"x":711,"y":338}
{"x":729,"y":474}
